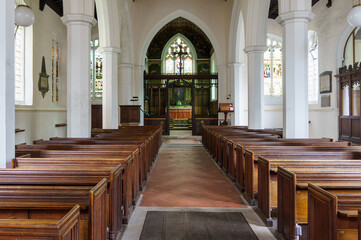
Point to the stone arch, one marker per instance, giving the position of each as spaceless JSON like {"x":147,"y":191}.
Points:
{"x":237,"y":68}
{"x":341,"y":45}
{"x":109,"y":23}
{"x":188,"y":16}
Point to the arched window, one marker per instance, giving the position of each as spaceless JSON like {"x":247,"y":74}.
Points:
{"x":273,"y":68}
{"x":352,"y":52}
{"x":23,"y":64}
{"x":179,"y":56}
{"x":96,"y":71}
{"x":313,"y":75}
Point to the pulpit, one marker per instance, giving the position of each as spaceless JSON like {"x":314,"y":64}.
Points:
{"x":129,"y":114}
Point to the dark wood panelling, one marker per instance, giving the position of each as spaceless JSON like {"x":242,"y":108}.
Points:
{"x":349,"y":126}
{"x":149,"y":121}
{"x":129,"y":113}
{"x":97,"y":116}
{"x":345,"y":127}
{"x":197,"y":124}
{"x":355,"y":128}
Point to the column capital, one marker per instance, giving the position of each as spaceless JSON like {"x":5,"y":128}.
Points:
{"x":236,"y":64}
{"x":71,"y":19}
{"x":305,"y":16}
{"x":114,"y":50}
{"x":125,"y":65}
{"x":256,"y":49}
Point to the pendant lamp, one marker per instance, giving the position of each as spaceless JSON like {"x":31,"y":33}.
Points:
{"x":24,"y":16}
{"x":354,"y":17}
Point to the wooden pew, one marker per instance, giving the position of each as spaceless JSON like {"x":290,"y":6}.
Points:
{"x":77,"y":176}
{"x":293,"y":199}
{"x":332,"y":215}
{"x":91,"y":164}
{"x":300,"y":152}
{"x":267,"y":177}
{"x":52,"y":202}
{"x":121,"y":156}
{"x":236,"y":149}
{"x":67,"y":228}
{"x":138,"y":162}
{"x":150,"y":147}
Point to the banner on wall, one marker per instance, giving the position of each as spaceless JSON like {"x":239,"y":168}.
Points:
{"x":55,"y":72}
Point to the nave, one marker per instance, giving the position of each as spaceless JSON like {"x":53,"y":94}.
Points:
{"x":185,"y":180}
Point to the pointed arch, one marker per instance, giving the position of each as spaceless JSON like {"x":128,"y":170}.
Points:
{"x":171,"y":40}
{"x":180,"y":13}
{"x":237,"y":41}
{"x":109,"y":23}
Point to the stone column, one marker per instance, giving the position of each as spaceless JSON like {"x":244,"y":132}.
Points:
{"x":256,"y":86}
{"x":236,"y":92}
{"x":7,"y":95}
{"x":110,"y":88}
{"x":138,"y":88}
{"x":295,"y":70}
{"x":125,"y":83}
{"x":78,"y":74}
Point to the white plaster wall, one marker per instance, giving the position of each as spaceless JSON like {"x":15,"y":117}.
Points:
{"x":274,"y":28}
{"x":216,"y":16}
{"x":39,"y":119}
{"x":329,"y":23}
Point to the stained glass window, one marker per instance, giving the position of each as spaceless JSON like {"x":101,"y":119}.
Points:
{"x":179,"y":59}
{"x":96,"y":71}
{"x":273,"y":68}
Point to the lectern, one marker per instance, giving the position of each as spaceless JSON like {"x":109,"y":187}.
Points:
{"x":226,"y":108}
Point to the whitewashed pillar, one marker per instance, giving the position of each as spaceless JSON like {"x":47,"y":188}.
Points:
{"x":110,"y":88}
{"x":294,"y":20}
{"x":256,"y":86}
{"x":125,"y":83}
{"x":7,"y":95}
{"x":138,"y":88}
{"x":78,"y":74}
{"x":235,"y":76}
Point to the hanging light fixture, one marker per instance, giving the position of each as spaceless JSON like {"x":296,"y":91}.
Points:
{"x":354,"y":17}
{"x":24,"y":16}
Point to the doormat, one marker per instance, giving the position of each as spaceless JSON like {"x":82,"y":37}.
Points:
{"x":196,"y":225}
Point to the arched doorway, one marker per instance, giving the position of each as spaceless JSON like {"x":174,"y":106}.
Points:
{"x":180,"y":81}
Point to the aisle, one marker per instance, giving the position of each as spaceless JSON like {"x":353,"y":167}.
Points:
{"x":188,"y":197}
{"x":186,"y":176}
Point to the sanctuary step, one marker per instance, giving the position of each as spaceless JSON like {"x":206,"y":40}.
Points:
{"x":180,"y":123}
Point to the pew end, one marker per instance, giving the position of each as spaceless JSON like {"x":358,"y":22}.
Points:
{"x":264,"y":195}
{"x":286,"y":202}
{"x":322,"y":208}
{"x":66,"y":228}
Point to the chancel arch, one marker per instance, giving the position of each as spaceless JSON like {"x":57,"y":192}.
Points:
{"x":179,"y":88}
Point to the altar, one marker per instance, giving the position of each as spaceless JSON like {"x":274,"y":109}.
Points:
{"x":180,"y":112}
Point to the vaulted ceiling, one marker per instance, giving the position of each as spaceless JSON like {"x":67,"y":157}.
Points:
{"x":273,"y":9}
{"x":188,"y":29}
{"x":57,"y":6}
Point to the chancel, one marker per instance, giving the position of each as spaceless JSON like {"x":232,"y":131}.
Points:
{"x":193,"y":119}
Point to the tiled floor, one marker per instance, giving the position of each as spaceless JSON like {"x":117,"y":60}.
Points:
{"x":186,"y":176}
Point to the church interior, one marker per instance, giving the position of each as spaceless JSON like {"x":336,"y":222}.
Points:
{"x":193,"y":119}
